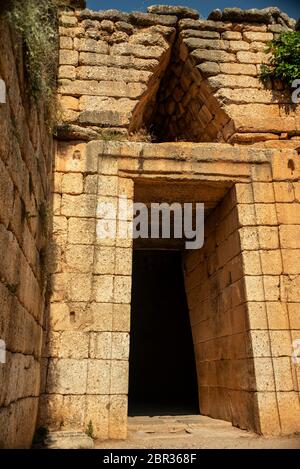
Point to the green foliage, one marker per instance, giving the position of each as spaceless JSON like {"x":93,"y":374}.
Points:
{"x":36,"y":22}
{"x":90,"y":430}
{"x":284,"y":64}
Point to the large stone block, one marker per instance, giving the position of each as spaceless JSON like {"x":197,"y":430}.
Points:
{"x":97,"y":412}
{"x":98,"y":381}
{"x":81,"y":230}
{"x":67,"y":376}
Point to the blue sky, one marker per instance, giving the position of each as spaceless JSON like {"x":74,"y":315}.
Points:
{"x":292,"y":7}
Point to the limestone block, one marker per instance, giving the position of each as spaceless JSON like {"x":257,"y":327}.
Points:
{"x":149,"y":19}
{"x":118,"y":417}
{"x":294,"y":315}
{"x":123,"y":261}
{"x":257,"y":36}
{"x":198,"y":43}
{"x":271,"y":262}
{"x":91,"y":45}
{"x":285,"y":165}
{"x":122,"y":289}
{"x":283,"y":374}
{"x":104,"y":260}
{"x":268,"y":413}
{"x":264,"y":375}
{"x":66,"y":42}
{"x":234,"y":81}
{"x":119,"y":377}
{"x":50,"y":411}
{"x":102,"y":316}
{"x":252,"y":57}
{"x":272,"y":287}
{"x":68,"y":57}
{"x":97,"y":411}
{"x":280,"y":343}
{"x":79,"y":205}
{"x":68,"y":21}
{"x":138,"y":51}
{"x":263,"y":192}
{"x":246,"y":214}
{"x":69,"y":440}
{"x":289,"y":411}
{"x":74,"y":159}
{"x":98,"y":381}
{"x":81,"y":230}
{"x":266,"y":214}
{"x":291,"y":261}
{"x":6,"y":195}
{"x":212,"y":56}
{"x":268,"y":237}
{"x":202,"y":34}
{"x":238,"y":69}
{"x":283,"y":191}
{"x":232,"y":35}
{"x":254,"y":288}
{"x":251,"y":262}
{"x":257,"y":315}
{"x":121,"y":317}
{"x":72,"y":183}
{"x":101,"y":345}
{"x":288,"y":214}
{"x":112,"y":73}
{"x":68,"y":344}
{"x":71,"y":286}
{"x":91,"y":184}
{"x":120,"y":346}
{"x":79,"y":258}
{"x":260,"y":344}
{"x":117,"y":89}
{"x":235,"y":46}
{"x":121,"y":61}
{"x":67,"y":71}
{"x":67,"y":376}
{"x":71,"y":32}
{"x":103,"y":288}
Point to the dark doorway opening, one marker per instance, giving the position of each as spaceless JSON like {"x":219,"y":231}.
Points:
{"x":162,"y":370}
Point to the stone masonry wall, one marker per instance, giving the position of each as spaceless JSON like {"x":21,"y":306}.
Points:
{"x":86,"y":347}
{"x":172,"y":76}
{"x":249,"y":268}
{"x":218,"y":315}
{"x":25,"y":183}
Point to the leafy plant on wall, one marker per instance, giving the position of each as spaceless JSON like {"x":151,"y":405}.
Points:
{"x":284,"y":64}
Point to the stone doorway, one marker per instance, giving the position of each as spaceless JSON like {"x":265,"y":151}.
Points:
{"x":162,"y":369}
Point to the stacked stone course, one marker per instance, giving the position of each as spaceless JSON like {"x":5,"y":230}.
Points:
{"x":25,"y":192}
{"x":179,"y":77}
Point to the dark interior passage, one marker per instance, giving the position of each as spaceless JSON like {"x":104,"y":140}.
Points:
{"x":162,"y":375}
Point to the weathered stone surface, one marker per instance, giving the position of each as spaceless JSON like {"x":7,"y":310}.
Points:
{"x":204,"y":25}
{"x":179,"y":11}
{"x":215,"y":44}
{"x":202,"y":34}
{"x":124,"y":62}
{"x":112,"y":15}
{"x":75,"y":132}
{"x":202,"y":55}
{"x":148,"y":19}
{"x":69,"y":440}
{"x":237,"y":15}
